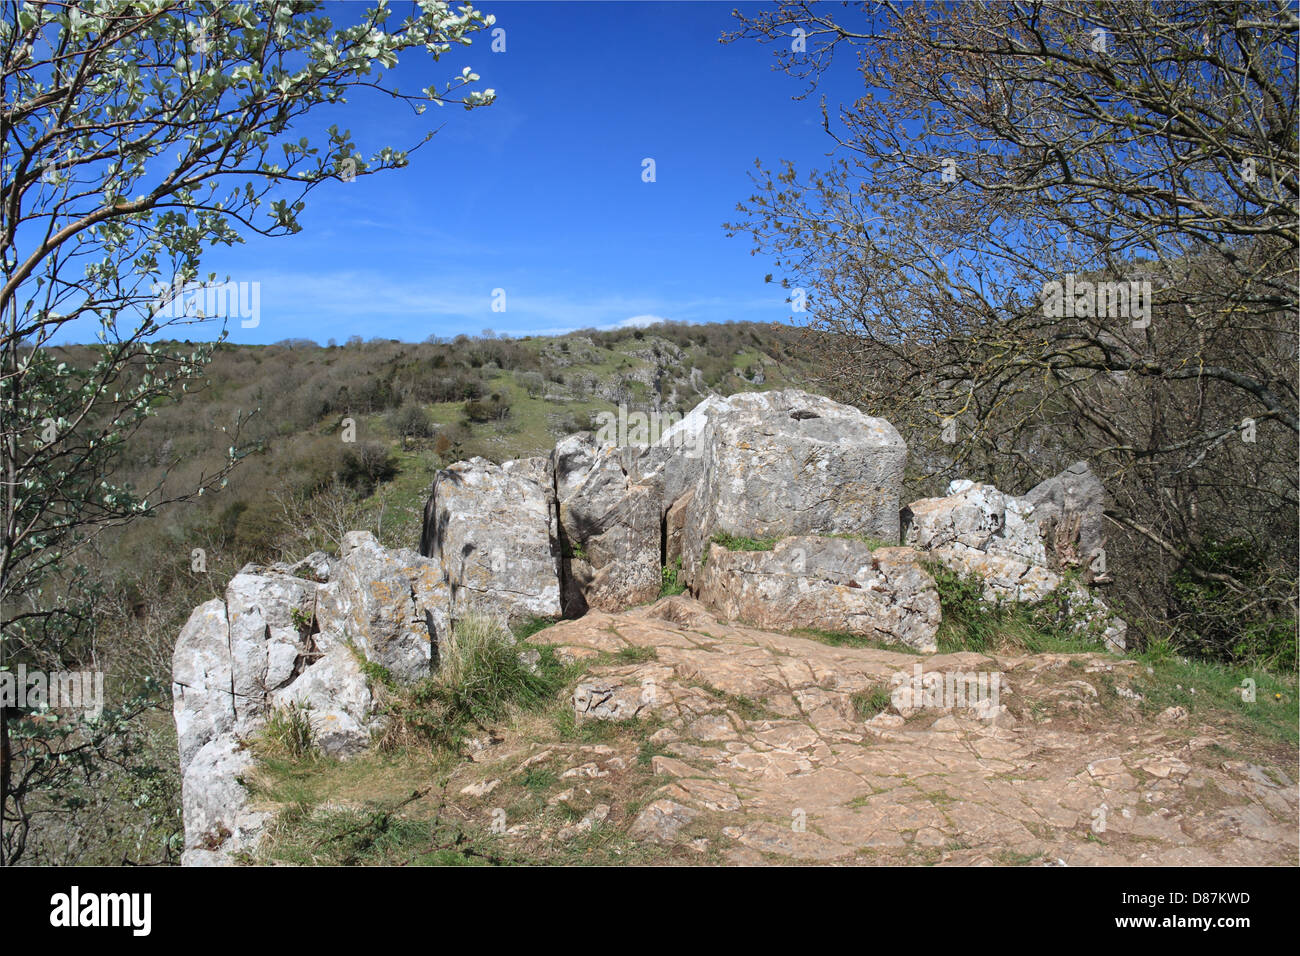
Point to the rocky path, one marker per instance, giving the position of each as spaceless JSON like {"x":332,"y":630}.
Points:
{"x":772,"y":748}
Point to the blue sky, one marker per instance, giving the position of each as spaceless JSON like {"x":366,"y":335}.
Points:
{"x":540,"y":194}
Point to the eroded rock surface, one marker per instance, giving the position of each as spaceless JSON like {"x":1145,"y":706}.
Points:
{"x":610,"y":524}
{"x":490,"y":530}
{"x":770,"y":756}
{"x":827,"y":584}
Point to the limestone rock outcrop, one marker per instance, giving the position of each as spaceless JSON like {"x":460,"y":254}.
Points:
{"x":783,"y":463}
{"x":491,"y":531}
{"x":814,"y":485}
{"x":237,"y":660}
{"x":829,"y":584}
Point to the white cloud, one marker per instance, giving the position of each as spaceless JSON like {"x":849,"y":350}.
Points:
{"x":637,"y":322}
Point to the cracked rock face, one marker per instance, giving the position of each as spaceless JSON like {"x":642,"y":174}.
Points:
{"x":391,"y":605}
{"x":829,"y":584}
{"x":976,"y":517}
{"x":490,"y":530}
{"x":783,"y":463}
{"x":237,"y":659}
{"x":611,"y":529}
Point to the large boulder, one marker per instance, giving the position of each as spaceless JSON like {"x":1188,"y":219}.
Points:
{"x":491,"y":529}
{"x":391,"y":606}
{"x":783,"y":463}
{"x":978,"y":531}
{"x":1070,"y":508}
{"x":829,"y":584}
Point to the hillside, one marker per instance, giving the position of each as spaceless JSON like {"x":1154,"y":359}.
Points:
{"x":299,"y":485}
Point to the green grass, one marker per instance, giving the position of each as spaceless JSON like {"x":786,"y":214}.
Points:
{"x":634,"y":654}
{"x":671,"y":580}
{"x":868,"y":540}
{"x":745,"y":707}
{"x":526,"y":629}
{"x":1274,"y":716}
{"x":480,"y":679}
{"x":287,"y":733}
{"x":733,"y":543}
{"x":867,"y":703}
{"x":377,"y":835}
{"x":970,"y":624}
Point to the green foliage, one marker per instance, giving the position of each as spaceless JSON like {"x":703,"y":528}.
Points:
{"x":868,"y":703}
{"x":288,"y":733}
{"x":494,"y":409}
{"x":969,"y":622}
{"x":480,"y":679}
{"x":871,"y":542}
{"x":105,"y":775}
{"x":635,"y":654}
{"x":412,"y":421}
{"x":525,"y":629}
{"x":367,"y":464}
{"x":734,"y":543}
{"x":377,"y":675}
{"x":671,"y":583}
{"x":1222,"y":621}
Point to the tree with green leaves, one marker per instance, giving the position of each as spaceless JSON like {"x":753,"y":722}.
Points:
{"x":136,"y":134}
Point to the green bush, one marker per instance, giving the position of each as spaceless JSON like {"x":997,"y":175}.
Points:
{"x":494,"y":409}
{"x":366,"y":464}
{"x":1245,"y":624}
{"x":671,"y":584}
{"x":480,"y":679}
{"x":412,"y":421}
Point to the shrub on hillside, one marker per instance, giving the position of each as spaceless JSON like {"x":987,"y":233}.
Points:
{"x":495,"y":409}
{"x":411,"y":421}
{"x":1245,"y":625}
{"x":365,"y":465}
